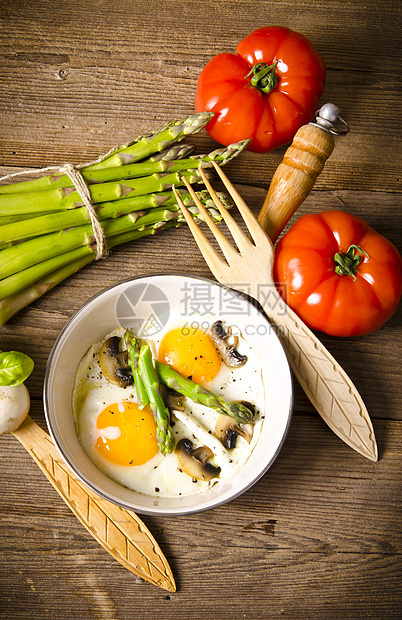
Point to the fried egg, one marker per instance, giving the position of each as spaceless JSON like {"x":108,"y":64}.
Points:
{"x":120,"y":437}
{"x":191,"y":352}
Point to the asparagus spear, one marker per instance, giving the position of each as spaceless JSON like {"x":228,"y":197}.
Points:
{"x":60,"y":220}
{"x":39,"y":248}
{"x":65,"y":198}
{"x":142,"y":147}
{"x":146,"y":168}
{"x":130,"y":171}
{"x":178,"y":151}
{"x":132,"y":346}
{"x":157,"y":163}
{"x":162,"y":175}
{"x":22,"y":264}
{"x":19,"y":217}
{"x":164,"y":433}
{"x":20,"y":280}
{"x":12,"y":304}
{"x":26,"y":255}
{"x":202,"y":395}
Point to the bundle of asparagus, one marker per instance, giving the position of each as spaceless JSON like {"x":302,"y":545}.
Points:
{"x":46,"y":232}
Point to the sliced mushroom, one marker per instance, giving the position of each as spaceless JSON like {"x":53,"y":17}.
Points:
{"x":114,"y":363}
{"x":172,"y":399}
{"x":195,"y":462}
{"x":230,"y":356}
{"x":227,"y":430}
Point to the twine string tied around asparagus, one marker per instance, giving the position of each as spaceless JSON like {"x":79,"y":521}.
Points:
{"x":82,"y":188}
{"x":78,"y":181}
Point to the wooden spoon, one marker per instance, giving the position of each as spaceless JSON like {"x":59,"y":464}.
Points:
{"x":119,"y":531}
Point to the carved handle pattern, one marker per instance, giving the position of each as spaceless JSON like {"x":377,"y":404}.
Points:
{"x":324,"y":381}
{"x":119,"y":531}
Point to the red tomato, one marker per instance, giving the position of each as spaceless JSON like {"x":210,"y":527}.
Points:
{"x":338,"y":274}
{"x":266,"y":91}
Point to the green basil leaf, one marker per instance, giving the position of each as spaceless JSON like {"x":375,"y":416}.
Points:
{"x":15,"y":367}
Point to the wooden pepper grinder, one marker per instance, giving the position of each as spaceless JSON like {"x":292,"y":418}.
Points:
{"x":299,"y":169}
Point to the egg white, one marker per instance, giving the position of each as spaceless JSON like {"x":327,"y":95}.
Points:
{"x":162,"y":476}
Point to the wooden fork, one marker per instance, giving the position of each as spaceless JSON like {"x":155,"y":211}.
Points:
{"x":326,"y":384}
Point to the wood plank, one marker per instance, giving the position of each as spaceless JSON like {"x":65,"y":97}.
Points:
{"x":44,"y":128}
{"x":290,"y":490}
{"x":318,"y":537}
{"x":345,"y":542}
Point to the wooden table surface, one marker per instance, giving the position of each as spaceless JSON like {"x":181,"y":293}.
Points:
{"x":319,"y":536}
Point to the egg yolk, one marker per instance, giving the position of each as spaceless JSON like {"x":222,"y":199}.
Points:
{"x":130,"y":438}
{"x":192,"y":354}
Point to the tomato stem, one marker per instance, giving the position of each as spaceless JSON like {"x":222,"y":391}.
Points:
{"x":263,"y":76}
{"x":346,"y":263}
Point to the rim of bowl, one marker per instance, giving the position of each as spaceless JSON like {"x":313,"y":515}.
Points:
{"x":81,"y":474}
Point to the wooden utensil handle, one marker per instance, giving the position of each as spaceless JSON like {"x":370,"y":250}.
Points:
{"x":119,"y":531}
{"x":324,"y":381}
{"x":295,"y":177}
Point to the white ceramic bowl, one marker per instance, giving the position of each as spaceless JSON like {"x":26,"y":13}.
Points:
{"x":127,"y":304}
